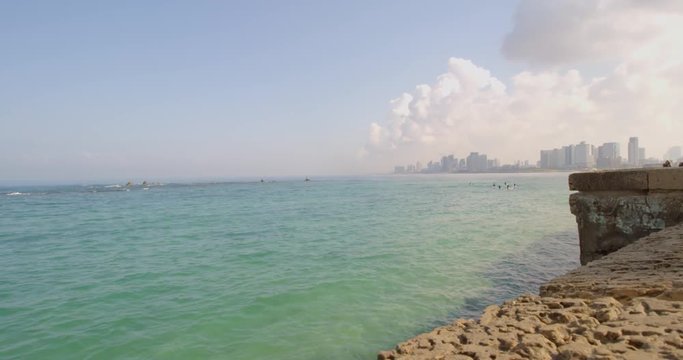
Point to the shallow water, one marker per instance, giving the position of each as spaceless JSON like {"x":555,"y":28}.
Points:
{"x":334,"y":268}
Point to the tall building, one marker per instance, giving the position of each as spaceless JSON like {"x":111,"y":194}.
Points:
{"x":609,"y":156}
{"x":557,"y":158}
{"x":569,"y":155}
{"x":483,"y":162}
{"x":633,"y":151}
{"x":477,"y":162}
{"x":584,"y":155}
{"x":449,"y":163}
{"x":641,"y":155}
{"x":462,"y":164}
{"x":545,"y":159}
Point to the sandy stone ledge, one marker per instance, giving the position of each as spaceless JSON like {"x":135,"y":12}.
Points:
{"x":627,"y":305}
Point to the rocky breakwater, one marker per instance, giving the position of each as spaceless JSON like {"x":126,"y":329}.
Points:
{"x":626,"y":305}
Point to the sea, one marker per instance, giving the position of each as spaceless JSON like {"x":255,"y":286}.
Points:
{"x":332,"y":268}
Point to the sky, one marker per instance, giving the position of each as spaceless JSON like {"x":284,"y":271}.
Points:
{"x":217,"y":89}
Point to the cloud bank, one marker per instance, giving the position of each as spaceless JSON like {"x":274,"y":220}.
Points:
{"x":638,"y":44}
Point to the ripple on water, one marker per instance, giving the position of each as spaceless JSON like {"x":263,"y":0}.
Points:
{"x":335,"y":269}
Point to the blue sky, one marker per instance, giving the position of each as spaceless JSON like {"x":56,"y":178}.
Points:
{"x":209,"y":88}
{"x":216,"y":89}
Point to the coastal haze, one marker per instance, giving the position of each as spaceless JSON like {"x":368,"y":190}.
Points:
{"x":304,"y":179}
{"x":178,"y":90}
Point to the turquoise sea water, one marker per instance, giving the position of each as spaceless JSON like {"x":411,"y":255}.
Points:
{"x":335,"y":268}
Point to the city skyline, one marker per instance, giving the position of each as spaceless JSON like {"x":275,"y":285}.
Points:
{"x":94,"y":91}
{"x":589,"y":76}
{"x":581,"y":155}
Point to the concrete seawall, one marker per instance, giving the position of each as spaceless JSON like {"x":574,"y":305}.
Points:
{"x":627,"y":303}
{"x":615,"y":208}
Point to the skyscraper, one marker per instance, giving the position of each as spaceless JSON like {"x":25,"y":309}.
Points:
{"x":584,"y":155}
{"x":477,"y":162}
{"x":569,"y":155}
{"x":609,"y":150}
{"x":633,"y":151}
{"x":608,"y":155}
{"x":545,"y":159}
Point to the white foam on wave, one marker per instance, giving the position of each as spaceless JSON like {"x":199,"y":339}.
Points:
{"x":113,"y":186}
{"x":16,"y":193}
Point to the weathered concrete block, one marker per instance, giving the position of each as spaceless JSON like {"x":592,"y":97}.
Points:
{"x":615,"y":208}
{"x":636,"y":179}
{"x":630,"y":179}
{"x":665,"y":179}
{"x":610,"y":220}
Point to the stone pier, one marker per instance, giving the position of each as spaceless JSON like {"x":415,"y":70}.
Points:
{"x":615,"y":208}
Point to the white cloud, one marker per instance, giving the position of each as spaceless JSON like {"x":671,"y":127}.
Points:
{"x":567,"y":31}
{"x":469,"y":109}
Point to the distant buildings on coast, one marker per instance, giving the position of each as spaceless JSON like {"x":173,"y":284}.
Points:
{"x":474,"y":162}
{"x":582,"y":156}
{"x":570,"y":157}
{"x":606,"y":156}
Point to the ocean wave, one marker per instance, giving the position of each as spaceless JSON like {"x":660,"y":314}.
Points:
{"x":16,"y":193}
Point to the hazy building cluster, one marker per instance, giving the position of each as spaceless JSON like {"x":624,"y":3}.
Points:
{"x":474,"y":162}
{"x":606,"y":156}
{"x":569,"y":157}
{"x":580,"y":156}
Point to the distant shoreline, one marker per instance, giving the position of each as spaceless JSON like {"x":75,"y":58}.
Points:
{"x":516,"y":171}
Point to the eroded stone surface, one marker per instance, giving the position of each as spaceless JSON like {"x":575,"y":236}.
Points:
{"x":610,"y":220}
{"x":616,"y":207}
{"x":628,"y":305}
{"x":652,"y":266}
{"x":534,"y":327}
